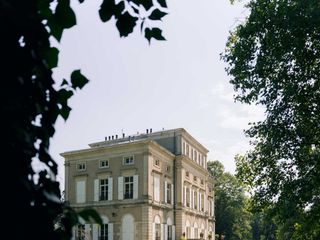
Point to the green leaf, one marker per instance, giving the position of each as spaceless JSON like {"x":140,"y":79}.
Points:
{"x":157,"y":14}
{"x":63,"y":18}
{"x":81,"y":1}
{"x":90,"y":214}
{"x":64,"y":82}
{"x":65,"y":111}
{"x":155,"y":33}
{"x":78,"y":80}
{"x":147,"y":4}
{"x":51,"y":57}
{"x":108,"y":9}
{"x":63,"y":96}
{"x":162,"y":3}
{"x":125,"y":24}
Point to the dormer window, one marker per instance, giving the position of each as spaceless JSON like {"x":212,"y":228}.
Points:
{"x":128,"y":160}
{"x":81,"y":166}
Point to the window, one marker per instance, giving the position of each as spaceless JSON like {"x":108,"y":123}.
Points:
{"x":202,"y":182}
{"x":128,"y":160}
{"x":80,"y":232}
{"x":169,"y":232}
{"x":104,"y":164}
{"x":187,"y":174}
{"x":188,"y":150}
{"x":184,"y":148}
{"x":194,"y":178}
{"x":156,"y":188}
{"x":81,"y":166}
{"x":103,"y":189}
{"x":168,"y":192}
{"x":128,"y":187}
{"x":188,"y":197}
{"x":158,"y":231}
{"x":157,"y":162}
{"x":103,"y":232}
{"x":168,"y":168}
{"x":195,"y":200}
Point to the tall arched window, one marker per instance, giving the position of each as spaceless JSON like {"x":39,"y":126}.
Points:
{"x":157,"y":228}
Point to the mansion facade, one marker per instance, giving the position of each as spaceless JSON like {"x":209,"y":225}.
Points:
{"x":152,"y":186}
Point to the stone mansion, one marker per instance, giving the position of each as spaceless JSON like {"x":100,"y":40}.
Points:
{"x":150,"y":186}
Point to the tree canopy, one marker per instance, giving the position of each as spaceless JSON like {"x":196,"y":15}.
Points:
{"x":273,"y":59}
{"x":31,"y":104}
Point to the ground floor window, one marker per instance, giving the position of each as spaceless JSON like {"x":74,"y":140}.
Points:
{"x":170,"y":232}
{"x":158,"y":231}
{"x":80,"y":232}
{"x":103,"y":232}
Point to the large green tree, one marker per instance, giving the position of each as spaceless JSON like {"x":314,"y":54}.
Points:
{"x":273,"y":59}
{"x":232,"y":217}
{"x":31,"y":101}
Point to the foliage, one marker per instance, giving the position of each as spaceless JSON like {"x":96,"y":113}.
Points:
{"x":30,"y":106}
{"x":274,"y":61}
{"x":232,"y":217}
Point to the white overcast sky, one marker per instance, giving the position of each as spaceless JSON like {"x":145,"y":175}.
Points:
{"x":169,"y":84}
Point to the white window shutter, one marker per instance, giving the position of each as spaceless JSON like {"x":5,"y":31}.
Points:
{"x":153,"y":231}
{"x":165,"y":191}
{"x":80,"y":191}
{"x":185,"y":196}
{"x":120,"y":188}
{"x":190,"y":196}
{"x":165,"y":231}
{"x":74,"y":229}
{"x":110,"y":231}
{"x":135,"y":186}
{"x":96,"y":190}
{"x":87,"y":231}
{"x":95,"y":231}
{"x":172,"y":196}
{"x":161,"y":232}
{"x":173,"y":232}
{"x":110,"y":188}
{"x":156,"y":187}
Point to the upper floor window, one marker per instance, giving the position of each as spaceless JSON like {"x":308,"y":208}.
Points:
{"x":195,"y":178}
{"x":168,"y":193}
{"x":157,"y":162}
{"x":187,"y":174}
{"x":128,"y":160}
{"x":81,"y":166}
{"x":168,"y":168}
{"x":104,"y":164}
{"x":128,"y":187}
{"x":187,"y":150}
{"x":202,"y":181}
{"x":104,"y":184}
{"x":188,"y":197}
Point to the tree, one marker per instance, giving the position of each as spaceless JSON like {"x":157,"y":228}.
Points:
{"x":31,"y":101}
{"x":232,"y":217}
{"x":273,"y":58}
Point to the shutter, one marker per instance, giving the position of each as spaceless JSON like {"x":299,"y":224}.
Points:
{"x":87,"y":231}
{"x":165,"y":231}
{"x":173,"y":232}
{"x":110,"y":231}
{"x":135,"y":186}
{"x":110,"y":188}
{"x":81,"y":192}
{"x":120,"y":188}
{"x":156,"y":188}
{"x":165,"y":191}
{"x":153,"y":231}
{"x":161,"y":231}
{"x":172,"y":196}
{"x":96,"y":190}
{"x":185,"y":196}
{"x":190,"y":196}
{"x":95,"y":231}
{"x":74,"y":229}
{"x":212,"y":208}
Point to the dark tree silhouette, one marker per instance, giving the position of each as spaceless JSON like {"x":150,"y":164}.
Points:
{"x":30,"y":106}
